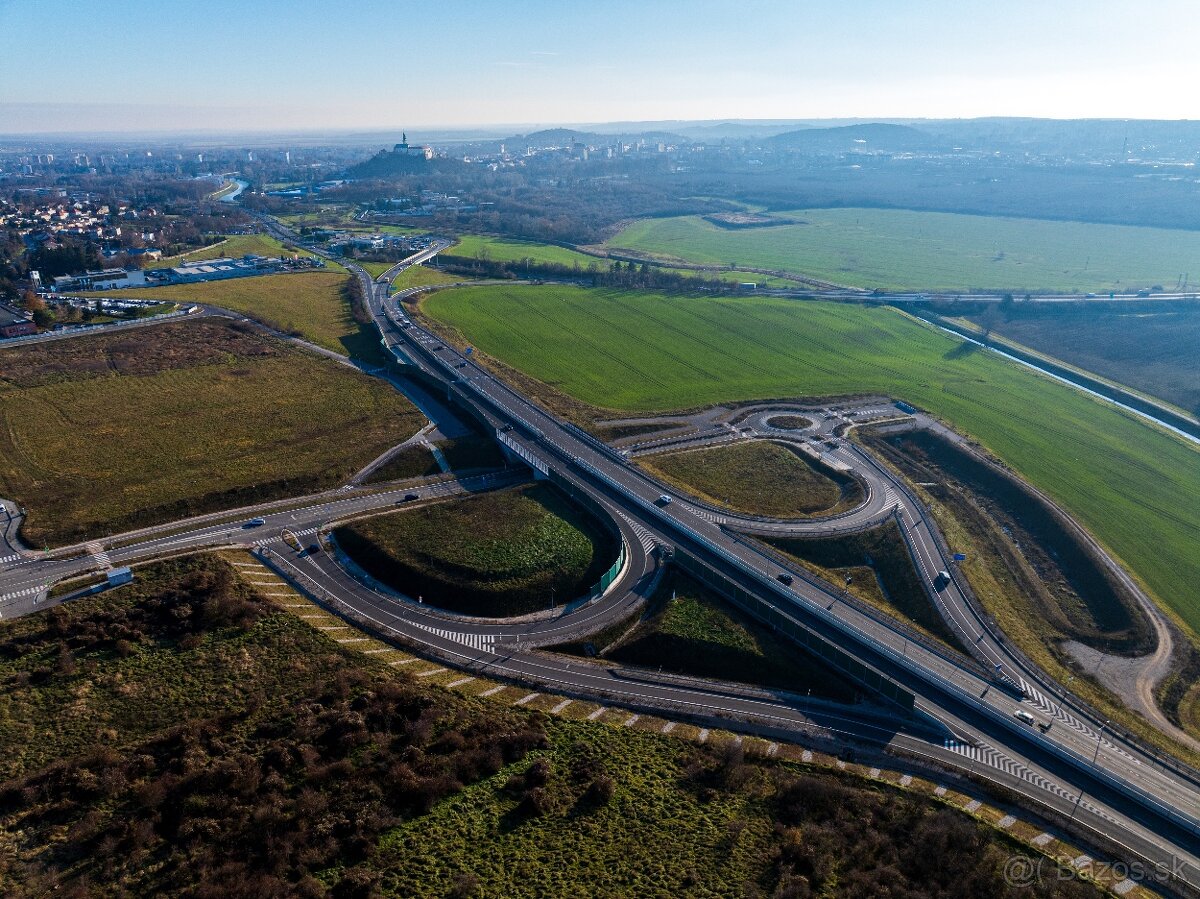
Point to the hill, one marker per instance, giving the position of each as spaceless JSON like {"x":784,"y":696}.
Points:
{"x":869,"y":137}
{"x":391,"y":164}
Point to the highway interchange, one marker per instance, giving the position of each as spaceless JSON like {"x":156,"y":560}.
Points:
{"x":1115,"y":793}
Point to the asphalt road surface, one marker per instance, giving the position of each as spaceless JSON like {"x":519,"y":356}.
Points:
{"x":1115,"y":792}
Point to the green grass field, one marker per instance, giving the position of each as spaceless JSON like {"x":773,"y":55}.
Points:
{"x":235,"y":246}
{"x":903,"y":249}
{"x":496,"y":554}
{"x":1152,"y":347}
{"x":420,"y":275}
{"x":310,"y":304}
{"x":757,"y":477}
{"x":179,"y":419}
{"x":1135,"y":488}
{"x":499,"y":249}
{"x":375,"y":269}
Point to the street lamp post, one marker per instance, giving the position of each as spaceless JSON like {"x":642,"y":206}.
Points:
{"x":1099,"y":734}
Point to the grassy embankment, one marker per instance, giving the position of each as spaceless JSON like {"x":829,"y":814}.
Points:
{"x":179,"y":419}
{"x":235,"y":246}
{"x":881,"y":573}
{"x":413,"y":276}
{"x":1039,"y":582}
{"x":375,"y":269}
{"x":1147,"y":346}
{"x":313,"y":305}
{"x":907,"y":250}
{"x":497,"y":554}
{"x":758,"y":477}
{"x":463,"y":455}
{"x":1135,"y":488}
{"x":687,"y":629}
{"x":181,"y":736}
{"x":421,"y":275}
{"x":325,"y":215}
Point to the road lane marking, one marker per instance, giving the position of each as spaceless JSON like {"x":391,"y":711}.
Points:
{"x":528,"y":698}
{"x":562,"y":705}
{"x":592,"y":716}
{"x":494,"y":690}
{"x":460,"y":682}
{"x":430,"y":672}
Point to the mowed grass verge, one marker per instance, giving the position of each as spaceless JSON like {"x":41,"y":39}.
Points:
{"x":1135,"y":488}
{"x":757,"y":477}
{"x":497,"y":554}
{"x":313,"y":305}
{"x":905,"y":249}
{"x":105,"y":433}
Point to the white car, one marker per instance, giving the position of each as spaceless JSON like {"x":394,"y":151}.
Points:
{"x":1024,"y":717}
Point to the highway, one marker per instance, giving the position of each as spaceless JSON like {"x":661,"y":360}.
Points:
{"x":1120,"y":782}
{"x":1120,"y":796}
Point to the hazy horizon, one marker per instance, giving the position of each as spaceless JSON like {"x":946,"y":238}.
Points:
{"x":137,"y":67}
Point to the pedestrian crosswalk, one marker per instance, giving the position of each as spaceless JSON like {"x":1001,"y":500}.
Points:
{"x":305,"y":532}
{"x":5,"y":560}
{"x":99,"y":555}
{"x":18,"y":594}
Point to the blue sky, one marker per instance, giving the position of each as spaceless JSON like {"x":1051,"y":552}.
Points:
{"x":265,"y":64}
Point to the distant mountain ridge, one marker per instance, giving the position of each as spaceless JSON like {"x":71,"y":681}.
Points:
{"x":870,"y":136}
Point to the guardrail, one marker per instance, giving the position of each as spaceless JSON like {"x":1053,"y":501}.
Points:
{"x":96,"y":329}
{"x":1027,"y":667}
{"x":1188,"y":823}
